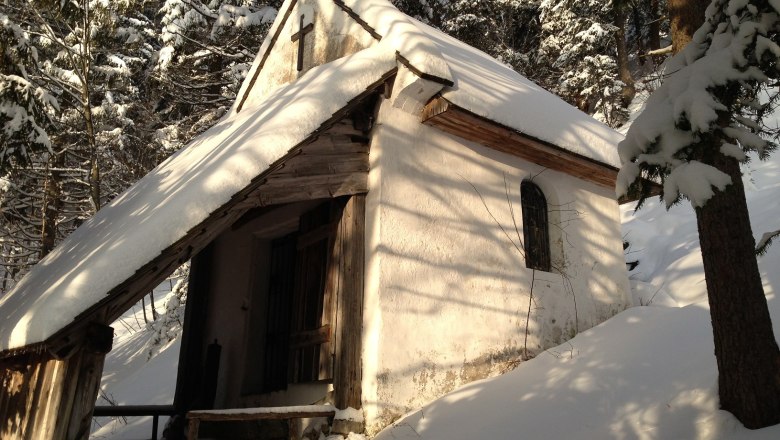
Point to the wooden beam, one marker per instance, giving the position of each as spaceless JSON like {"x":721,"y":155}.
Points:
{"x":22,"y":404}
{"x":333,"y":144}
{"x":290,"y":414}
{"x":319,"y":165}
{"x":42,"y":397}
{"x":269,"y":413}
{"x":82,"y":400}
{"x":317,"y":187}
{"x":347,"y":380}
{"x":307,"y":338}
{"x":44,"y":412}
{"x":358,"y":19}
{"x":452,"y":119}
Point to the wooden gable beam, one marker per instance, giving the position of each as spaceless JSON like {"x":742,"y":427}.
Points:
{"x":448,"y":117}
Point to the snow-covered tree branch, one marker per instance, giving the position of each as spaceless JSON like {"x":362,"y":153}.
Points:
{"x":713,"y":100}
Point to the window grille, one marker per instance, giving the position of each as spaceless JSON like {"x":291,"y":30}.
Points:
{"x":535,"y":227}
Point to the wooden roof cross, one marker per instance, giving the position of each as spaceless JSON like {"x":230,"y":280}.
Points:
{"x":299,"y":37}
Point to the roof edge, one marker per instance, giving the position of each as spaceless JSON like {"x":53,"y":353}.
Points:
{"x":265,"y":50}
{"x":427,"y":62}
{"x":453,"y":119}
{"x":416,"y":49}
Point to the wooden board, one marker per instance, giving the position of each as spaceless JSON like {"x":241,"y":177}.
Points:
{"x":291,"y":414}
{"x":347,"y":380}
{"x":274,"y":413}
{"x":47,"y":398}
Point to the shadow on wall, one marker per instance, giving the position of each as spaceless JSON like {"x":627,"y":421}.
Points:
{"x":457,"y":291}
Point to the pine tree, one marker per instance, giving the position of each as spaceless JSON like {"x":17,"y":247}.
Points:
{"x":693,"y":134}
{"x":89,"y":57}
{"x":25,"y":109}
{"x":131,"y":82}
{"x":584,"y":45}
{"x":207,"y":49}
{"x":506,"y":30}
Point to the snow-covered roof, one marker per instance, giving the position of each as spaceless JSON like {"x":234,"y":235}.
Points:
{"x":178,"y":195}
{"x":183,"y":191}
{"x":485,"y":86}
{"x":494,"y":91}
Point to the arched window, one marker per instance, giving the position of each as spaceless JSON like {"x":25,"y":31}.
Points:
{"x":535,"y":227}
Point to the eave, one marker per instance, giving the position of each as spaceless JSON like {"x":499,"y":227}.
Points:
{"x":448,"y":117}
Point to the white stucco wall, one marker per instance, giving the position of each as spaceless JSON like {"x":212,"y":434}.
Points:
{"x":447,"y":294}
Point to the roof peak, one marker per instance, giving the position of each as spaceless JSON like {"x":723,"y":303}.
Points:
{"x":341,"y":27}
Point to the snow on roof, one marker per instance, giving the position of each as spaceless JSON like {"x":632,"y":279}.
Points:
{"x":405,"y":35}
{"x":487,"y":87}
{"x":490,"y":89}
{"x":178,"y":195}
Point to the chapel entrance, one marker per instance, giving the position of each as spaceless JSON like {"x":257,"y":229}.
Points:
{"x":280,"y":296}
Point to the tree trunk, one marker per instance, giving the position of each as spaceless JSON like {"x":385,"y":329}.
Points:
{"x":641,"y":47}
{"x":628,"y":91}
{"x":685,"y":17}
{"x":151,"y":301}
{"x":654,"y":33}
{"x":745,"y":348}
{"x":52,"y":205}
{"x":86,"y":67}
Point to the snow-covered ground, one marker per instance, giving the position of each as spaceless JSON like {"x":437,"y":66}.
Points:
{"x":131,"y":377}
{"x":647,"y":373}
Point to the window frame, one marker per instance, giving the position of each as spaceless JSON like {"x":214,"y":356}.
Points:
{"x":536,"y":227}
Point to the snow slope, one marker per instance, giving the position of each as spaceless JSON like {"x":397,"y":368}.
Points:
{"x":130,"y":377}
{"x":648,"y":373}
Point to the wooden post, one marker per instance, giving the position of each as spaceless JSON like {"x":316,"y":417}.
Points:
{"x":348,"y":372}
{"x":192,"y":432}
{"x":49,"y":398}
{"x":292,"y":429}
{"x":98,"y":343}
{"x":25,"y":381}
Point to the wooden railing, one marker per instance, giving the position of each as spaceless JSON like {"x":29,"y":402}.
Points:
{"x":137,"y":411}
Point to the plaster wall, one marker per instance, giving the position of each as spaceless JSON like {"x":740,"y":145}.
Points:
{"x":229,"y":312}
{"x":334,"y":36}
{"x":447,"y":292}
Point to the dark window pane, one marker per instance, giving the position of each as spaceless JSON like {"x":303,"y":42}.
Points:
{"x":535,"y":227}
